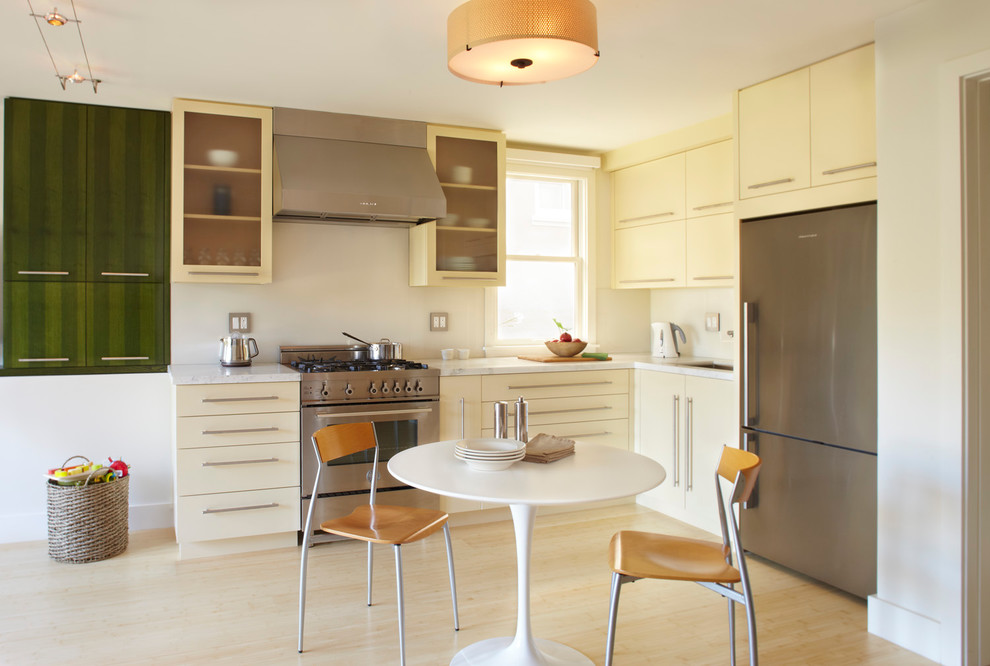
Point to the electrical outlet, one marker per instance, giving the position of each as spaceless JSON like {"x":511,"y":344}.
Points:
{"x":712,"y":321}
{"x":438,"y":321}
{"x":239,"y":322}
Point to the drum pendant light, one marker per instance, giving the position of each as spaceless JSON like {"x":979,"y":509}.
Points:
{"x":515,"y":42}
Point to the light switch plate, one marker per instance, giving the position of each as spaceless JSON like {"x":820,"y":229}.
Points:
{"x":239,"y":322}
{"x":438,"y":321}
{"x":712,"y":321}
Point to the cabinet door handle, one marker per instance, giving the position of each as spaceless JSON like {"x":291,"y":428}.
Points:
{"x":223,"y":463}
{"x":259,"y":397}
{"x":462,"y":418}
{"x":124,"y":358}
{"x":42,"y":272}
{"x":591,"y":434}
{"x":240,"y":430}
{"x":532,"y":386}
{"x":713,"y":277}
{"x":780,"y":181}
{"x":689,"y":447}
{"x":707,"y":206}
{"x":645,"y":217}
{"x":677,"y":441}
{"x":39,"y":360}
{"x":650,"y":280}
{"x":236,"y":273}
{"x":864,"y":165}
{"x":570,"y":411}
{"x":109,"y":274}
{"x":242,"y":508}
{"x":465,"y":277}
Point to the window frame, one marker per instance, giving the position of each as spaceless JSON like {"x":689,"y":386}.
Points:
{"x":581,"y":170}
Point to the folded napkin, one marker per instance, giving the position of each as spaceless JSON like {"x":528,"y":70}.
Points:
{"x":546,"y":448}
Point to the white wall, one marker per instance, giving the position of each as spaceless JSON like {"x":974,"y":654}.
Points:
{"x":687,"y":308}
{"x":919,"y":302}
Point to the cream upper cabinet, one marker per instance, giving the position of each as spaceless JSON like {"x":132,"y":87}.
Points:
{"x":650,"y":255}
{"x":650,"y":192}
{"x":221,"y":193}
{"x":466,"y":248}
{"x":708,"y":179}
{"x":843,"y":118}
{"x":711,"y":251}
{"x":774,"y":125}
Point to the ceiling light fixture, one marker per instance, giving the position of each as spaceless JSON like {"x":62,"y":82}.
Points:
{"x":515,"y":42}
{"x":55,"y":19}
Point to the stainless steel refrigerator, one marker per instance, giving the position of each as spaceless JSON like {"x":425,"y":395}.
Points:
{"x":808,"y":391}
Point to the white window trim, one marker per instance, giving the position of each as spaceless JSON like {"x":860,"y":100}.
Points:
{"x":582,"y":168}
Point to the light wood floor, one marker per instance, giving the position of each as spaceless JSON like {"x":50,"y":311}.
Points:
{"x":146,"y":607}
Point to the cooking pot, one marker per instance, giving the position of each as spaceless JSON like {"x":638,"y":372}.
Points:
{"x":383,"y":350}
{"x":237,"y":350}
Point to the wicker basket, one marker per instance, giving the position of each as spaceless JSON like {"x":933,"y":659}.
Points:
{"x":87,"y":523}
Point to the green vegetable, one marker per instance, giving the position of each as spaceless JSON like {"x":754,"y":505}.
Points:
{"x":598,"y":355}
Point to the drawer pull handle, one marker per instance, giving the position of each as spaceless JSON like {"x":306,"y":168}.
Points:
{"x":571,"y":411}
{"x":241,"y":508}
{"x":533,"y":386}
{"x":258,"y":397}
{"x":39,"y":360}
{"x":591,"y":434}
{"x":124,"y":358}
{"x":650,"y":280}
{"x":707,"y":206}
{"x":222,"y":463}
{"x":645,"y":217}
{"x":712,"y":277}
{"x":109,"y":274}
{"x":864,"y":165}
{"x":236,"y":273}
{"x":343,"y":415}
{"x":240,"y":430}
{"x":42,"y":272}
{"x":780,"y":181}
{"x":466,"y":277}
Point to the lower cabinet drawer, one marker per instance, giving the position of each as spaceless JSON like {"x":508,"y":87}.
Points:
{"x":247,"y":398}
{"x":554,"y":384}
{"x":233,"y":429}
{"x":227,"y":469}
{"x":613,"y":432}
{"x":556,"y":410}
{"x":228,"y":515}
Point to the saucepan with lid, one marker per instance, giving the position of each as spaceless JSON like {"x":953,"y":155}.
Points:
{"x":383,"y":350}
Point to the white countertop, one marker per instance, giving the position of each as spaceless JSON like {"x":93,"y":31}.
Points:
{"x":510,"y":365}
{"x":244,"y":374}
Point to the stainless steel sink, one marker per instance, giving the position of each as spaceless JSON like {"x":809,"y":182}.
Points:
{"x":710,"y":365}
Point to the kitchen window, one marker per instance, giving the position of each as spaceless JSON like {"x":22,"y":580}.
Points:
{"x":548,"y":223}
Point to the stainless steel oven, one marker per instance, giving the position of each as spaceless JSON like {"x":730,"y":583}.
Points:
{"x":401,"y":398}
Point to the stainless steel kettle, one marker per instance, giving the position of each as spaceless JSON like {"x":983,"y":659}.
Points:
{"x":237,"y":350}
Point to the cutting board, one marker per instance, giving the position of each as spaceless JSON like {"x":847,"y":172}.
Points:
{"x":561,"y":359}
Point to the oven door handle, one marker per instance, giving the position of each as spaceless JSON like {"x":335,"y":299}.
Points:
{"x":377,"y":413}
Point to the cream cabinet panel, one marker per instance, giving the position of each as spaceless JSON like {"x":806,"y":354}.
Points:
{"x":554,"y":410}
{"x":774,"y":126}
{"x":248,"y":398}
{"x":460,"y":416}
{"x":708,"y":179}
{"x":659,"y":423}
{"x":235,"y":468}
{"x":649,"y":256}
{"x":843,"y":118}
{"x":230,"y":515}
{"x":650,"y":192}
{"x":614,"y":432}
{"x":236,"y":429}
{"x":711,"y":251}
{"x":553,"y":384}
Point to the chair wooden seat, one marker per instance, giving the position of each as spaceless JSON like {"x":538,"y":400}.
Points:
{"x":648,"y":555}
{"x":381,"y":523}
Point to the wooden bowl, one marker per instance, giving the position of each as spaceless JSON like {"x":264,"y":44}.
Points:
{"x":566,"y":348}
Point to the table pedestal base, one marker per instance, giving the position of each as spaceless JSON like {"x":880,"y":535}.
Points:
{"x":509,"y":652}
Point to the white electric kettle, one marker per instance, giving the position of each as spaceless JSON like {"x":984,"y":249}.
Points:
{"x":235,"y":350}
{"x":663,"y":342}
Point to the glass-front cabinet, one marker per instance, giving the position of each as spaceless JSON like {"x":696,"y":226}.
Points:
{"x":467,"y":247}
{"x":221,"y":192}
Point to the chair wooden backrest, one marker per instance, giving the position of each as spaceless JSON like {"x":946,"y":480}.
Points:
{"x":734,"y":462}
{"x":337,"y":441}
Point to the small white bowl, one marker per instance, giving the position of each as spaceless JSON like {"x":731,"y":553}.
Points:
{"x":221,"y":158}
{"x":464,"y":354}
{"x":461,"y":174}
{"x":446,"y":354}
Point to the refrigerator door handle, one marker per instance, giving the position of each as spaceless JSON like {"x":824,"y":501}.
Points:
{"x":750,"y":371}
{"x":751,"y":444}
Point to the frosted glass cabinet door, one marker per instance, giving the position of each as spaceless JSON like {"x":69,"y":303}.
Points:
{"x":649,"y":192}
{"x":843,"y":118}
{"x":649,"y":256}
{"x":774,"y":126}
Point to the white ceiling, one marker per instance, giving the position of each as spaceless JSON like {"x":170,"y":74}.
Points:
{"x":664,"y":64}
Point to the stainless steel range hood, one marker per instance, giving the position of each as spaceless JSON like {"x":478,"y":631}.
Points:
{"x":332,"y":167}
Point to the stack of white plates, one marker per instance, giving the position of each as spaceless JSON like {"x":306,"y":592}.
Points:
{"x":489,"y":454}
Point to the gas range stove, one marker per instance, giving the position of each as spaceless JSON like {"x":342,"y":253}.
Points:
{"x":336,"y":374}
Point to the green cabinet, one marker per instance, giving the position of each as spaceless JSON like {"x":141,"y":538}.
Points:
{"x":86,"y":209}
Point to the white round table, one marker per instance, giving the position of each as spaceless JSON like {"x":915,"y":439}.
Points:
{"x":594,"y":473}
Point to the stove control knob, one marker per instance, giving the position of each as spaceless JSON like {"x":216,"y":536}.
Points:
{"x":419,"y":386}
{"x":385,"y":389}
{"x":397,"y":388}
{"x":348,"y":390}
{"x":409,"y":386}
{"x":373,"y":390}
{"x":326,"y":390}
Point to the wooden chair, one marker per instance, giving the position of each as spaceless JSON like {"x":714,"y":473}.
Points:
{"x":374,"y":523}
{"x":636,"y":555}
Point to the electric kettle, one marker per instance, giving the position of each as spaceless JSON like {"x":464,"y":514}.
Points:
{"x":235,"y":350}
{"x":664,"y":340}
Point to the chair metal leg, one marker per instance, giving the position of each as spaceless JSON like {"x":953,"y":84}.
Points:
{"x":450,"y":570}
{"x":613,"y":609}
{"x":370,"y":561}
{"x":732,"y":632}
{"x":750,"y":625}
{"x":304,"y":558}
{"x":402,"y":628}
